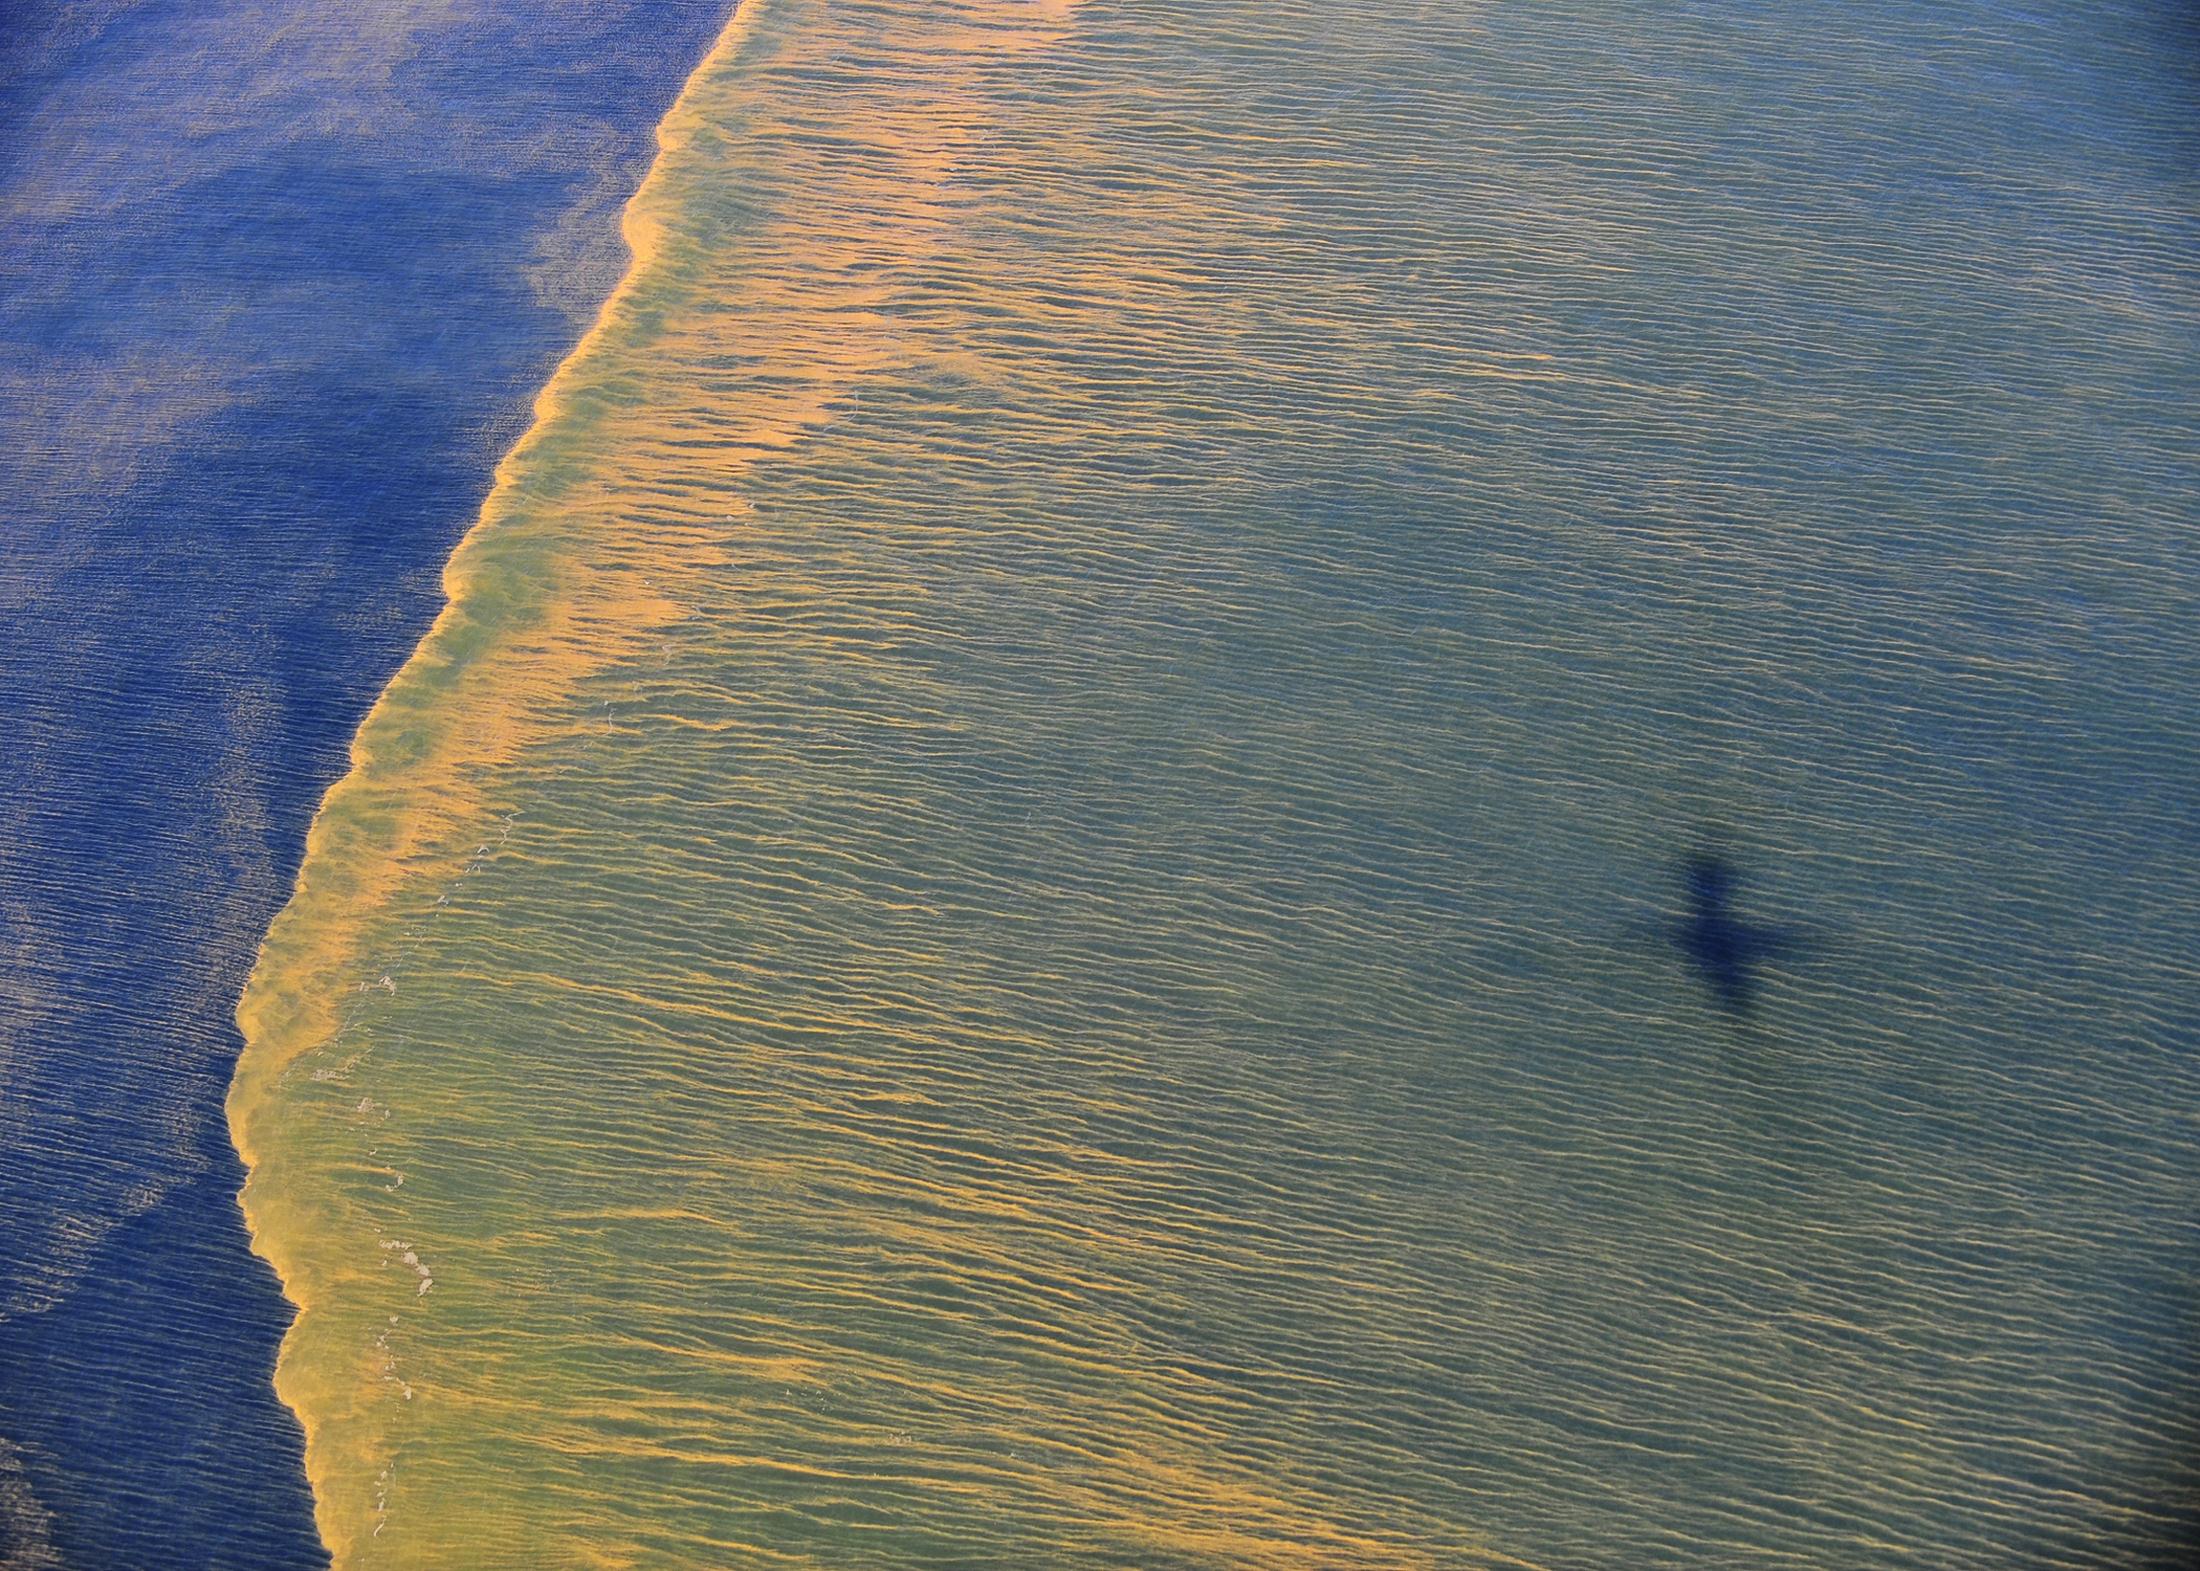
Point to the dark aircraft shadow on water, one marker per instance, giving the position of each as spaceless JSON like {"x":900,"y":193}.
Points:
{"x":1727,"y":952}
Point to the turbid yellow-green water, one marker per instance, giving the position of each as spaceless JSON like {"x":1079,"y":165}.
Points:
{"x":1014,"y":920}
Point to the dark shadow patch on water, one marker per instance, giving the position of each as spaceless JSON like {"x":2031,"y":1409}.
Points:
{"x":1728,"y":951}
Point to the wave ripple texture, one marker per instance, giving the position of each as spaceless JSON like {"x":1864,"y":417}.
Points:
{"x":1004,"y":925}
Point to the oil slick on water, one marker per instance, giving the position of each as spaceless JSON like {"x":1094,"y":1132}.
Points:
{"x":976,"y":940}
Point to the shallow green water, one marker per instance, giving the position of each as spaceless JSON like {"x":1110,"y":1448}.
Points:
{"x":1078,"y":986}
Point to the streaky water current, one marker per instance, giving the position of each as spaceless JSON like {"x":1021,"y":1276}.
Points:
{"x":1015,"y":918}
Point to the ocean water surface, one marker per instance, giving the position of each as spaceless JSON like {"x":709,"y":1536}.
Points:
{"x":1014,"y":917}
{"x":278,"y":285}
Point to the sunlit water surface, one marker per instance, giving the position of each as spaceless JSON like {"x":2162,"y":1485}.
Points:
{"x":279,"y":280}
{"x":1015,"y":921}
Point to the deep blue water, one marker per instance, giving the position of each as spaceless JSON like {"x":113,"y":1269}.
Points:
{"x":279,"y":284}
